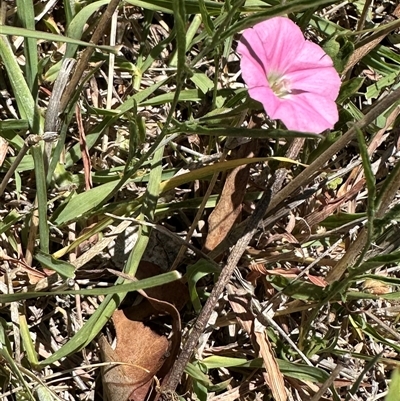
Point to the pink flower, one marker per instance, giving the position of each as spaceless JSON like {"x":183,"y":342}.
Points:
{"x":293,"y":78}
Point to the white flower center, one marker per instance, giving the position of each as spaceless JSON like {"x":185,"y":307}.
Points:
{"x":279,"y":84}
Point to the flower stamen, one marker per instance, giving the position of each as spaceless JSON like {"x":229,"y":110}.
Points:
{"x":279,"y":85}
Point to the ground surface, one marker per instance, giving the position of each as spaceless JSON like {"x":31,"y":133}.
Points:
{"x":136,"y":188}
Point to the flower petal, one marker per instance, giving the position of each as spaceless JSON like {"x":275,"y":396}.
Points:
{"x":324,"y":81}
{"x":282,"y":40}
{"x":252,"y":71}
{"x":313,"y":71}
{"x":267,"y":97}
{"x":251,"y":47}
{"x":307,"y":112}
{"x":310,"y":56}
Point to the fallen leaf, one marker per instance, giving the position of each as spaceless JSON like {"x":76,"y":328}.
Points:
{"x":3,"y":150}
{"x":145,"y":355}
{"x":318,"y":281}
{"x":229,"y":206}
{"x":240,"y":304}
{"x":141,"y":352}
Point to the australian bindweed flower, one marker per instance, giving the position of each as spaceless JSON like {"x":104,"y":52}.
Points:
{"x":293,"y":78}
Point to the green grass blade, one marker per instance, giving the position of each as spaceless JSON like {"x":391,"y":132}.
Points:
{"x":113,"y":290}
{"x":26,"y":14}
{"x":29,"y":347}
{"x":64,"y":269}
{"x":51,"y":37}
{"x":370,"y":180}
{"x":26,"y":104}
{"x":41,"y":195}
{"x":394,"y":386}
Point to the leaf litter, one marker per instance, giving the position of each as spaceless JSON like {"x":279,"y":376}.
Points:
{"x":347,"y":330}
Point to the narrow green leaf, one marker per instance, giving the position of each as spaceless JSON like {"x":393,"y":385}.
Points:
{"x":9,"y":221}
{"x":83,"y":203}
{"x":370,"y":180}
{"x":113,"y":290}
{"x":289,"y":369}
{"x":194,"y":370}
{"x":375,"y":90}
{"x":51,"y":37}
{"x":27,"y":341}
{"x":205,"y":16}
{"x":394,"y":386}
{"x":26,"y":14}
{"x":41,"y":196}
{"x":6,"y":125}
{"x":64,"y":269}
{"x":70,"y":11}
{"x":202,"y":82}
{"x":381,"y":260}
{"x":349,"y":88}
{"x":180,"y":29}
{"x":194,"y":273}
{"x":26,"y":104}
{"x":77,"y":25}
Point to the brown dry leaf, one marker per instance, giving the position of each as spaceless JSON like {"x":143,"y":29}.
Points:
{"x":240,"y":304}
{"x":167,"y":299}
{"x":141,"y":350}
{"x":258,"y":269}
{"x":87,"y":164}
{"x":273,"y":375}
{"x":316,"y":217}
{"x":229,"y":206}
{"x":33,"y":274}
{"x":3,"y":150}
{"x":138,"y":344}
{"x":376,"y":287}
{"x":152,"y":306}
{"x":318,"y":281}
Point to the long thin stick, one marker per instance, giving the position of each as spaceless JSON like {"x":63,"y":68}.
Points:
{"x":85,"y":57}
{"x":253,"y":222}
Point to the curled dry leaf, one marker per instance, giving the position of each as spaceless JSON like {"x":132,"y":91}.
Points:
{"x":142,"y":352}
{"x":145,"y":355}
{"x":229,"y":206}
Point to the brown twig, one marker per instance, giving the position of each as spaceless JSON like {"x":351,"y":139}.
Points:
{"x":86,"y":54}
{"x":237,"y":252}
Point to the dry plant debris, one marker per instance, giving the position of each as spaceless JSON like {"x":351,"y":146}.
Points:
{"x":162,"y":238}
